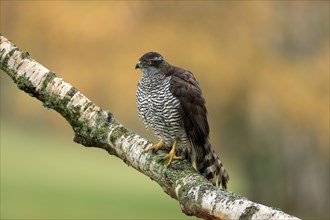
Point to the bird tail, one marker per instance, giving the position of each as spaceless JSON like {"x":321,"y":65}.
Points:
{"x":211,"y":167}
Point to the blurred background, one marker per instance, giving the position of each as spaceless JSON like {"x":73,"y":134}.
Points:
{"x":264,"y":70}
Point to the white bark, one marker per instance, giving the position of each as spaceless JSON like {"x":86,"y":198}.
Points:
{"x":96,"y":127}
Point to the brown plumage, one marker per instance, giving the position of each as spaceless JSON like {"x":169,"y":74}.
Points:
{"x":184,"y":86}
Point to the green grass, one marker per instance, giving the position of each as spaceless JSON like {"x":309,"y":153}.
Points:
{"x":48,"y":177}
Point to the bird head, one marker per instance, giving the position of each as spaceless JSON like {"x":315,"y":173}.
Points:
{"x":150,"y":62}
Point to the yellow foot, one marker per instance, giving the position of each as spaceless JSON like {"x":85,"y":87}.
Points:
{"x":171,"y":155}
{"x":157,"y":146}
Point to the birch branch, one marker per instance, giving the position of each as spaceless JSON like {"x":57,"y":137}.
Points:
{"x":95,"y":127}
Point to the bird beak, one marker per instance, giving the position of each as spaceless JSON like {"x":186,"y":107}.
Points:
{"x":137,"y":66}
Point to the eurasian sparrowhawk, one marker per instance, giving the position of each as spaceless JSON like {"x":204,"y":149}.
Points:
{"x":170,"y":102}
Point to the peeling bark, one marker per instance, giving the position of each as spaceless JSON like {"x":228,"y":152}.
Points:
{"x":95,"y":127}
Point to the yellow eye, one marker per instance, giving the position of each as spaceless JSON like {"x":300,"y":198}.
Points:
{"x":149,"y":62}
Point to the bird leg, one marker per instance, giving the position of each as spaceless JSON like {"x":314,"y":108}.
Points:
{"x":171,"y":155}
{"x":157,"y":146}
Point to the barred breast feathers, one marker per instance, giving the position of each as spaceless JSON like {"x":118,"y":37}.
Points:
{"x":158,"y":108}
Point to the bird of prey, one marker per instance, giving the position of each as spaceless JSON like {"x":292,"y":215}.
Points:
{"x":170,"y":102}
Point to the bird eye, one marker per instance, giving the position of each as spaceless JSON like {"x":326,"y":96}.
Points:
{"x":149,"y":62}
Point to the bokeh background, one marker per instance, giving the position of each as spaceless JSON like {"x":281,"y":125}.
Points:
{"x":264,"y":70}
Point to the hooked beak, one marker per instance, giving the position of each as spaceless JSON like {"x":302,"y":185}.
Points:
{"x":137,"y":66}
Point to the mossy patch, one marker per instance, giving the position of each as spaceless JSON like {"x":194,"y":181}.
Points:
{"x":249,"y":212}
{"x":117,"y":133}
{"x":4,"y":63}
{"x":25,"y":84}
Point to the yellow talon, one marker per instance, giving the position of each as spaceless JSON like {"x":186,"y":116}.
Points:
{"x":157,"y":146}
{"x":171,"y":155}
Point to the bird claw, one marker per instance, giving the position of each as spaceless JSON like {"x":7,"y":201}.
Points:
{"x":171,"y":155}
{"x":157,"y":146}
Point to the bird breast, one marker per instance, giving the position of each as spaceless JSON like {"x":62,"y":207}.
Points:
{"x":158,"y":108}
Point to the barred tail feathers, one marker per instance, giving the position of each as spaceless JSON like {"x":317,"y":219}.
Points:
{"x":210,"y":166}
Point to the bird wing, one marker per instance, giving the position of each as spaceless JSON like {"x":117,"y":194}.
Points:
{"x":185,"y":87}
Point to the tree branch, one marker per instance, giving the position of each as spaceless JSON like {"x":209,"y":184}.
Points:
{"x":96,"y":127}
